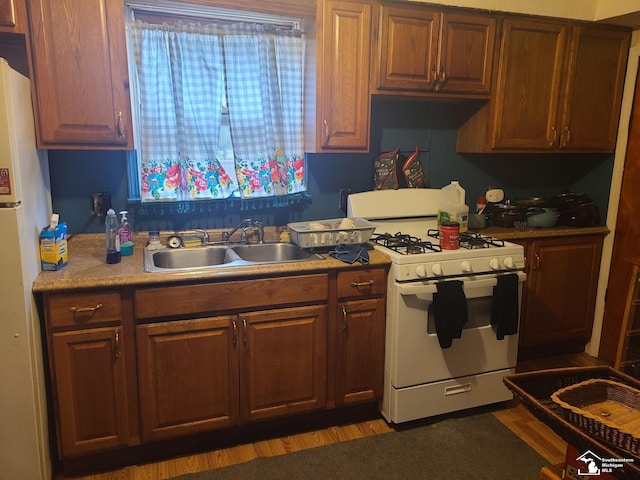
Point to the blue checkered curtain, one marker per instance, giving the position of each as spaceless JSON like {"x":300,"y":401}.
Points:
{"x":181,"y":86}
{"x":183,"y":73}
{"x":264,"y":72}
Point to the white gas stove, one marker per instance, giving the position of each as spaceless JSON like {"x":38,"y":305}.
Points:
{"x":430,"y":367}
{"x":406,"y":230}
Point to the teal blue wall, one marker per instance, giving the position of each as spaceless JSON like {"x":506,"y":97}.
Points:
{"x":75,"y":175}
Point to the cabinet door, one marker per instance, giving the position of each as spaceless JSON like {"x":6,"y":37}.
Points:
{"x":13,"y":16}
{"x":532,"y":55}
{"x":80,"y":74}
{"x":344,"y":49}
{"x":90,"y":383}
{"x":561,"y":289}
{"x":283,"y":362}
{"x":188,"y":376}
{"x":466,"y":53}
{"x":360,"y":350}
{"x":593,"y":90}
{"x":408,"y":53}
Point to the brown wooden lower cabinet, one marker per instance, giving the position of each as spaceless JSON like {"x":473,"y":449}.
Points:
{"x":360,"y":350}
{"x":140,"y":364}
{"x":283,"y":361}
{"x":90,"y":380}
{"x":559,"y":295}
{"x":188,"y":376}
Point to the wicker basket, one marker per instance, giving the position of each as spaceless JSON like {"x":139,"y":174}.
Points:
{"x":534,"y":390}
{"x":604,"y":409}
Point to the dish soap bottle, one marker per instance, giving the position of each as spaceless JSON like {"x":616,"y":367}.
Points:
{"x":125,"y":234}
{"x":113,"y":241}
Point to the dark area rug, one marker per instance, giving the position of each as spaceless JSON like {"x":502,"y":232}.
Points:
{"x":474,"y":447}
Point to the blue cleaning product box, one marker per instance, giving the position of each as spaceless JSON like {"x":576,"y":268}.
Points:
{"x":53,"y":246}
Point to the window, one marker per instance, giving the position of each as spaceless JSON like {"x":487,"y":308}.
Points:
{"x":219,"y":103}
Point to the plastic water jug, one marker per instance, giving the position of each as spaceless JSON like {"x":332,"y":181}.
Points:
{"x":452,"y":206}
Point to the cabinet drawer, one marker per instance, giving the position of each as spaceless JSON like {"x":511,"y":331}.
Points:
{"x":362,"y":283}
{"x":80,"y":309}
{"x":242,"y":294}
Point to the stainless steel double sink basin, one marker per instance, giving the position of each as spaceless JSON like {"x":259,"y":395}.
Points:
{"x":223,"y":256}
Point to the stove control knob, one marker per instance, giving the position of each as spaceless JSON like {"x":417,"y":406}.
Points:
{"x":508,"y":262}
{"x":420,"y":271}
{"x":465,"y":266}
{"x":494,"y":264}
{"x":437,"y":269}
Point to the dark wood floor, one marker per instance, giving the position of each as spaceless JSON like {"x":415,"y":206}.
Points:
{"x":513,"y":415}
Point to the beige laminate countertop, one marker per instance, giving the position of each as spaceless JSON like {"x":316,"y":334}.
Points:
{"x":87,"y":268}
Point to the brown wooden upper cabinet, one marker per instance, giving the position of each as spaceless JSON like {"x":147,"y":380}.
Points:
{"x":344,"y":53}
{"x":558,"y":88}
{"x":80,"y":74}
{"x":13,"y":16}
{"x":425,"y":50}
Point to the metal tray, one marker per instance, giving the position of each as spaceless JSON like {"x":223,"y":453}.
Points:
{"x":327,"y":233}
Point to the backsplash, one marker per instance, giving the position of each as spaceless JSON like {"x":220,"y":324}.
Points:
{"x":75,"y":175}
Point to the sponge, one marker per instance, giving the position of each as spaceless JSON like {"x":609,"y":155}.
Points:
{"x":191,"y":242}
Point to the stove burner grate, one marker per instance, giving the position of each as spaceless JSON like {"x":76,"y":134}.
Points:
{"x":471,"y":240}
{"x":404,"y":244}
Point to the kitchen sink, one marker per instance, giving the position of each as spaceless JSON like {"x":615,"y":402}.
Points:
{"x":218,"y":256}
{"x":272,"y":252}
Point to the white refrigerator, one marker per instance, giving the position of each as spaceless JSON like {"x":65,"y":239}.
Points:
{"x":25,"y":207}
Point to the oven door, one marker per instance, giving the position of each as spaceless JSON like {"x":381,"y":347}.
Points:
{"x":414,"y":355}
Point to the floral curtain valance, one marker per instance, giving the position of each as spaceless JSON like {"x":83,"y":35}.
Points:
{"x":186,"y":73}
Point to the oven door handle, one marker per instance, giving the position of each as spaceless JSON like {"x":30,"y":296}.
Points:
{"x":418,"y":288}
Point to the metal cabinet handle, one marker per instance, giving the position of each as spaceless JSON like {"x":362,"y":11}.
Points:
{"x":118,"y":351}
{"x":244,"y":330}
{"x":74,"y":310}
{"x":368,"y":283}
{"x":555,"y":140}
{"x":565,"y":138}
{"x":441,"y":79}
{"x":234,"y":335}
{"x":436,"y":79}
{"x":537,"y":263}
{"x":344,"y":319}
{"x":327,"y":134}
{"x":120,"y":128}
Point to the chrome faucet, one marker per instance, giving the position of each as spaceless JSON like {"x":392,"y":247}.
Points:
{"x":260,"y":226}
{"x":257,"y":225}
{"x":205,"y":236}
{"x":243,"y":224}
{"x":246,"y":224}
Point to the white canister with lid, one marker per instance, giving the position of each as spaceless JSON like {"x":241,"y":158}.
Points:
{"x":452,"y":206}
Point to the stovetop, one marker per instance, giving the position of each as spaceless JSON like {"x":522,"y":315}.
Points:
{"x":407,"y":231}
{"x":406,"y":244}
{"x":417,"y":255}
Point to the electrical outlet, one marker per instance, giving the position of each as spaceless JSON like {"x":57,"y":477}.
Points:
{"x":342,"y":201}
{"x":100,"y":203}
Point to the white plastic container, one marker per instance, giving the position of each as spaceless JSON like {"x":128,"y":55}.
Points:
{"x":452,"y":207}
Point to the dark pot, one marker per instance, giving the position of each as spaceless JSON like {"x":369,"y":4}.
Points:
{"x":506,"y":215}
{"x":583,"y":215}
{"x":533,"y":202}
{"x":569,"y":200}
